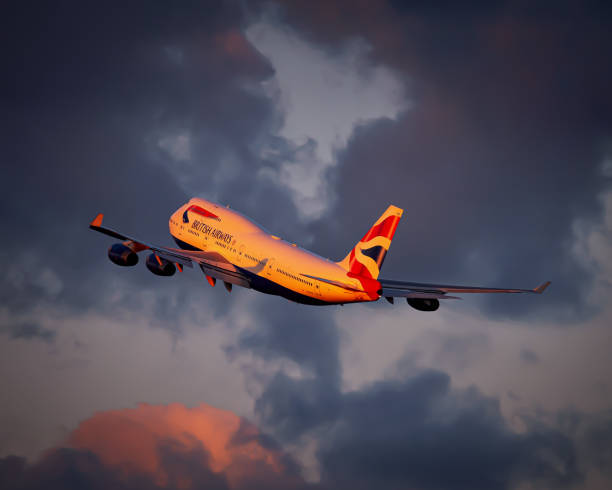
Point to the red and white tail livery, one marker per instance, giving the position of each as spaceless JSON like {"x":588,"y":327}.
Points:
{"x":229,"y":247}
{"x":367,"y":257}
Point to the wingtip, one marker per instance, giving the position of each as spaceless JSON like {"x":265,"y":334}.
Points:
{"x":540,"y":289}
{"x":97,"y":221}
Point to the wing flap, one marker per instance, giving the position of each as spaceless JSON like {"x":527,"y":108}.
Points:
{"x":226,"y":275}
{"x":172,"y":257}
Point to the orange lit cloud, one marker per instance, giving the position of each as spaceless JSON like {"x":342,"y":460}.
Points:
{"x":131,"y":441}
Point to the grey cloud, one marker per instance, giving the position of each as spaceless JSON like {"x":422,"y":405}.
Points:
{"x":74,"y":469}
{"x":64,"y":469}
{"x":28,"y":330}
{"x":82,"y":118}
{"x":458,"y":350}
{"x":597,"y":439}
{"x":308,"y":337}
{"x":471,"y":215}
{"x":293,"y":408}
{"x":416,"y":432}
{"x":180,"y":466}
{"x":420,"y":433}
{"x":305,"y":335}
{"x":77,"y":469}
{"x":499,"y":154}
{"x":529,"y":356}
{"x":97,"y":87}
{"x":513,"y":396}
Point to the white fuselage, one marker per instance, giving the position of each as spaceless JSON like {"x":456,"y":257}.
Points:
{"x":276,"y":266}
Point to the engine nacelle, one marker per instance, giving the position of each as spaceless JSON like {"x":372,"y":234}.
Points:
{"x":159,"y":266}
{"x":424,"y":304}
{"x":121,"y":255}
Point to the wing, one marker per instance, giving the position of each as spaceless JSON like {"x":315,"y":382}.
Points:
{"x":440,"y":291}
{"x":211,"y":263}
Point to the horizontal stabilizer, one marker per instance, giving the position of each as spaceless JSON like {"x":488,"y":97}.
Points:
{"x":416,"y":294}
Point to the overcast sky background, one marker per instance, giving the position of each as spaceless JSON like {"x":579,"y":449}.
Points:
{"x":490,"y":124}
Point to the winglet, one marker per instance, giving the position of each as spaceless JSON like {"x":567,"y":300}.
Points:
{"x":97,"y":221}
{"x":540,"y":289}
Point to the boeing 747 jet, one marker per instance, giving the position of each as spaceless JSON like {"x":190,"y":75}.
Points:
{"x":232,"y":248}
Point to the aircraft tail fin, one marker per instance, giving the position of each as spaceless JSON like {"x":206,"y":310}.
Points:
{"x":367,"y":257}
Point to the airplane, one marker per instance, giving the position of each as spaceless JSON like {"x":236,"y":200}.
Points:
{"x":230,"y":247}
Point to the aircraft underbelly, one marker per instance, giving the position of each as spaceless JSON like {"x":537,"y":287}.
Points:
{"x":267,"y":286}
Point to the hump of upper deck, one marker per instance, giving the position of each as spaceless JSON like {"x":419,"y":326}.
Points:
{"x":224,"y":215}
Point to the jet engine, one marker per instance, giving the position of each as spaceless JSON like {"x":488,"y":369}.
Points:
{"x":159,"y":266}
{"x":122,"y":255}
{"x":424,"y":304}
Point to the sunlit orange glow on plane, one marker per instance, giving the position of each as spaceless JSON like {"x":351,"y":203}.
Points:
{"x":232,"y":248}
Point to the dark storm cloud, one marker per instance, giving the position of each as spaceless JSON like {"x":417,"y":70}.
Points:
{"x":412,"y":431}
{"x":308,"y":337}
{"x":500,"y":153}
{"x":598,"y":440}
{"x":498,"y":156}
{"x":418,"y":433}
{"x":492,"y":165}
{"x":72,"y":469}
{"x":91,"y":92}
{"x":508,"y":109}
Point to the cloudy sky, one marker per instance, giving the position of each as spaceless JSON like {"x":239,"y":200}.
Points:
{"x":490,"y":124}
